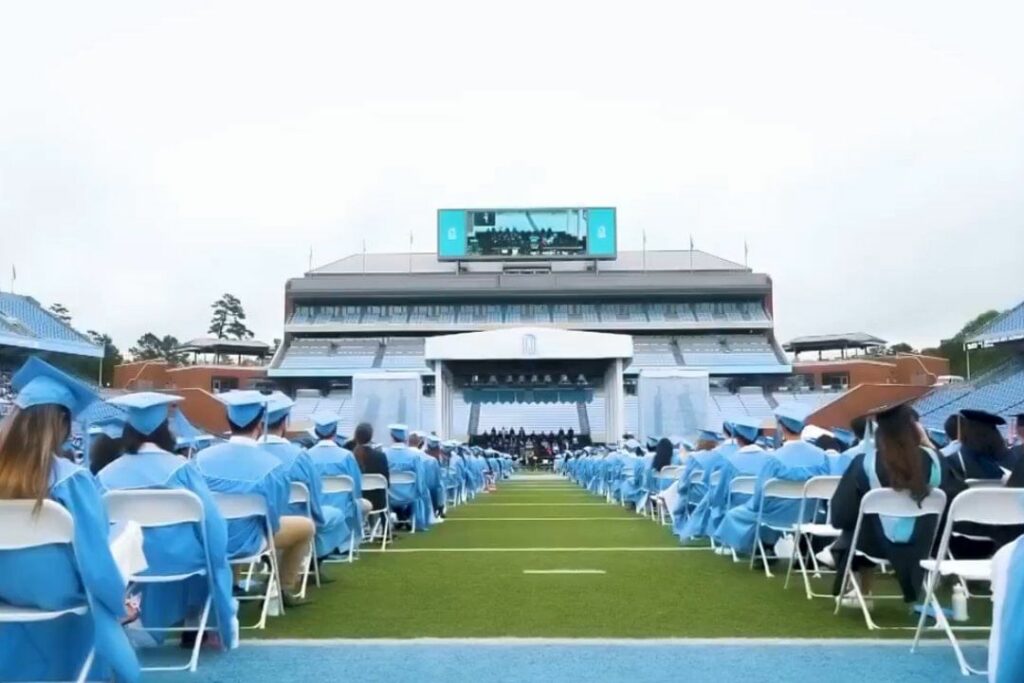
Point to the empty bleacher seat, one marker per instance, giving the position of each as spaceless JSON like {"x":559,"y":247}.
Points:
{"x":404,"y":353}
{"x":320,"y":353}
{"x":653,"y":352}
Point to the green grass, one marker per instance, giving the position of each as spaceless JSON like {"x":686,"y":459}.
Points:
{"x":688,"y":593}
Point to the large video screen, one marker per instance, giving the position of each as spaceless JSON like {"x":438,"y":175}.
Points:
{"x":526,"y":234}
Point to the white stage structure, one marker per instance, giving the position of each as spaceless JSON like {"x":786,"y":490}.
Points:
{"x":673,"y":402}
{"x":530,"y":344}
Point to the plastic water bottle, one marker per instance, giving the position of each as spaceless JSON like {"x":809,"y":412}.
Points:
{"x":959,"y":603}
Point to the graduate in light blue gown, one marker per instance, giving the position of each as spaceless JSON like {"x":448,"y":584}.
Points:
{"x":332,"y":460}
{"x":1006,"y":645}
{"x":435,"y":477}
{"x":691,"y":484}
{"x":795,"y":460}
{"x":147,"y":463}
{"x":407,"y":499}
{"x":455,"y":468}
{"x":746,"y":459}
{"x":332,"y":531}
{"x":55,"y":577}
{"x":239,"y":465}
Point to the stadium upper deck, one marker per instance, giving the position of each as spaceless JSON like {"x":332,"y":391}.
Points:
{"x":683,"y":308}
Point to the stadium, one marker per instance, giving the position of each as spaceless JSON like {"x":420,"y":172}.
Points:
{"x":534,"y":347}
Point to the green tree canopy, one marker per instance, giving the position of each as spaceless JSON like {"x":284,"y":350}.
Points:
{"x":62,"y":313}
{"x":151,"y":347}
{"x":111,"y":355}
{"x":228,"y":319}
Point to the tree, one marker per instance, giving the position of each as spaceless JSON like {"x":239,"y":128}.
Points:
{"x":111,"y":355}
{"x":228,"y":317}
{"x":981,"y":359}
{"x":61,"y":312}
{"x":902,"y":347}
{"x":151,"y":347}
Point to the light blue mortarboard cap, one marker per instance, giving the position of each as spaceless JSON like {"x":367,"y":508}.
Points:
{"x":709,"y":435}
{"x":449,"y":445}
{"x":792,"y":417}
{"x":38,"y":383}
{"x":111,"y":426}
{"x":844,"y":436}
{"x":939,"y":437}
{"x":398,"y":431}
{"x":278,"y":406}
{"x":433,"y":441}
{"x":146,"y":410}
{"x":243,"y":406}
{"x":325,"y":423}
{"x":747,"y":427}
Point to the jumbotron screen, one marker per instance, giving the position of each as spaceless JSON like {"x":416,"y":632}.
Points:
{"x":526,"y":234}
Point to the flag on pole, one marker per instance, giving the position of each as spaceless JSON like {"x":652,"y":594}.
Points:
{"x":410,"y":251}
{"x":746,"y":253}
{"x":364,"y":256}
{"x":691,"y":251}
{"x":311,"y":257}
{"x":644,"y":253}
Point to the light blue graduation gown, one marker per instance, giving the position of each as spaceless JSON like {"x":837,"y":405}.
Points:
{"x":239,"y":465}
{"x":432,"y":480}
{"x":630,"y":484}
{"x":455,"y":472}
{"x":1007,"y":665}
{"x":401,"y":458}
{"x":52,"y":577}
{"x":331,"y":460}
{"x":743,"y":462}
{"x":691,"y":485}
{"x":795,"y":461}
{"x":178,"y":549}
{"x":332,"y":530}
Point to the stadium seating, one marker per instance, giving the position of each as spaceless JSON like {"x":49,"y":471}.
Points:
{"x":754,"y":402}
{"x":657,"y":313}
{"x":727,"y":350}
{"x":23,"y":316}
{"x":403,"y":353}
{"x":809,"y":400}
{"x":386,"y":315}
{"x":653,"y":352}
{"x":334,"y":354}
{"x":527,"y":314}
{"x":1000,"y":391}
{"x":622,"y":313}
{"x":426,"y":315}
{"x":479,"y":314}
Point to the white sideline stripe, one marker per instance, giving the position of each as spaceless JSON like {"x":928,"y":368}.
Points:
{"x":564,"y":571}
{"x":544,"y":519}
{"x":612,"y":549}
{"x":628,"y":642}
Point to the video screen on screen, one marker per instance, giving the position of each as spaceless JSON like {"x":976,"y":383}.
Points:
{"x":527,"y":233}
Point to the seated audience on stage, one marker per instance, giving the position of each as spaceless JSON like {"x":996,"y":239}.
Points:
{"x":52,"y":577}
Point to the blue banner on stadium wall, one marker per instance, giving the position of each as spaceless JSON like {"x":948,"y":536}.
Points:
{"x":526,"y":234}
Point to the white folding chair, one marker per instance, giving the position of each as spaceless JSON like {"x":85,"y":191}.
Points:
{"x":816,"y":491}
{"x":625,"y":474}
{"x":670,"y":474}
{"x":235,"y":506}
{"x":783,"y":489}
{"x":21,"y":528}
{"x":299,"y":495}
{"x":382,"y":516}
{"x":984,"y":483}
{"x":155,"y":508}
{"x":984,"y":505}
{"x":403,"y":478}
{"x":739,"y":485}
{"x":342,"y":483}
{"x":890,"y":503}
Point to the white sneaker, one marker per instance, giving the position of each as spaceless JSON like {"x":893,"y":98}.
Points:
{"x":826,"y":558}
{"x":850,"y":600}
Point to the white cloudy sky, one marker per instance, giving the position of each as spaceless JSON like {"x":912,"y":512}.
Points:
{"x":155,"y":155}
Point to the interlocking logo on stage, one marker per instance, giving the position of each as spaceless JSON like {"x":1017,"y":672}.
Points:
{"x":529,"y":345}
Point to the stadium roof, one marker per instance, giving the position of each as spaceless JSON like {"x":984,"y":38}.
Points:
{"x":650,"y":261}
{"x":1008,"y":327}
{"x":832,"y":342}
{"x":25,"y":324}
{"x":421,"y":277}
{"x":226,"y":346}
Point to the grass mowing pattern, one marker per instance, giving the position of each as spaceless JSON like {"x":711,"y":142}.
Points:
{"x":690,"y":593}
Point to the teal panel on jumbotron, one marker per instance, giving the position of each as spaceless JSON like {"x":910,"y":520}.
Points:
{"x":601,"y":232}
{"x":451,"y":233}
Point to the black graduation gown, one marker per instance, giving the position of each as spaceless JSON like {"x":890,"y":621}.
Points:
{"x":904,"y":557}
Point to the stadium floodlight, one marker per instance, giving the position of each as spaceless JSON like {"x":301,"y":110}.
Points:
{"x":564,"y":380}
{"x":547,"y":379}
{"x":581,"y":380}
{"x":522,"y":379}
{"x":534,"y":379}
{"x":493,"y":379}
{"x":510,"y":380}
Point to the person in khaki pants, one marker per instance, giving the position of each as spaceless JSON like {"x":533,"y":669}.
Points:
{"x":240,"y":466}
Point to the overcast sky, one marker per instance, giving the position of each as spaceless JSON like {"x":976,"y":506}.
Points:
{"x":872,"y":154}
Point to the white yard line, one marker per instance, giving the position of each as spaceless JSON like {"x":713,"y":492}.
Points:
{"x":626,"y":642}
{"x":564,"y":571}
{"x":543,"y":505}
